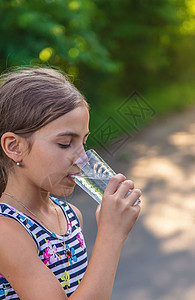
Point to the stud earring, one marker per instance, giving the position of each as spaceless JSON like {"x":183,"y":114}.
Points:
{"x":18,"y":164}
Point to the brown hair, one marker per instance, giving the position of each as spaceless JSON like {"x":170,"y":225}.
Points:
{"x":30,"y":98}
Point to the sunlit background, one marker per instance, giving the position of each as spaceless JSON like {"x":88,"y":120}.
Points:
{"x":158,"y":258}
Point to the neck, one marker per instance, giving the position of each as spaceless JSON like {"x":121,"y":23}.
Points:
{"x":36,"y":200}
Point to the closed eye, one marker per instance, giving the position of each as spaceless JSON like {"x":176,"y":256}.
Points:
{"x":64,"y":146}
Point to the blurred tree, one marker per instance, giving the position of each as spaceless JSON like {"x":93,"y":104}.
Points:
{"x":142,"y":36}
{"x":54,"y":32}
{"x":110,"y":48}
{"x":183,"y":60}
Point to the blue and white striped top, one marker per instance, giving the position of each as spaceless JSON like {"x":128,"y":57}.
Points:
{"x":68,"y":268}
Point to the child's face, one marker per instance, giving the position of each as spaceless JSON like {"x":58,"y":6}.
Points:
{"x":56,"y":147}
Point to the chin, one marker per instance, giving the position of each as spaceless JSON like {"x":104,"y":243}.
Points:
{"x":62,"y":191}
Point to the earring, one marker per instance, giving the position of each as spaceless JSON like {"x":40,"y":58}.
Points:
{"x":18,"y":164}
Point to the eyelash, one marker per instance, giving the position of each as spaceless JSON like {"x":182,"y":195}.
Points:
{"x":64,"y":146}
{"x":68,"y":146}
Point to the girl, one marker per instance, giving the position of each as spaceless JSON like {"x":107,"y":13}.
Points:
{"x":43,"y":128}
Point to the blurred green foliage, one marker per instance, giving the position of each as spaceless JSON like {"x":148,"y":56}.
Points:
{"x":108,"y":48}
{"x":54,"y":32}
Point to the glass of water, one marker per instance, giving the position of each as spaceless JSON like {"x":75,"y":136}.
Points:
{"x":94,"y":175}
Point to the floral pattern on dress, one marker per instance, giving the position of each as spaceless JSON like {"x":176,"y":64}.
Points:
{"x":47,"y":257}
{"x":3,"y":291}
{"x":79,"y":238}
{"x":50,"y":254}
{"x":28,"y":223}
{"x":65,"y":280}
{"x":69,"y":226}
{"x":70,"y":253}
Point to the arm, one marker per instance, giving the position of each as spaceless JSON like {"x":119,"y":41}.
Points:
{"x":18,"y":252}
{"x":22,"y":267}
{"x":115,"y":220}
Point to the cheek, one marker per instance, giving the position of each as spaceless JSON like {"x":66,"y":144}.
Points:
{"x":57,"y":184}
{"x":48,"y":167}
{"x":50,"y":160}
{"x":54,"y":175}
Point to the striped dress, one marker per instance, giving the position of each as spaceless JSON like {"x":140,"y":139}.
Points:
{"x":68,"y":266}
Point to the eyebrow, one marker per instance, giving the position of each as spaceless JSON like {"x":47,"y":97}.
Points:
{"x":70,"y":133}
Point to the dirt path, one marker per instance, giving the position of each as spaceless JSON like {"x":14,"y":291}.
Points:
{"x":158,"y":259}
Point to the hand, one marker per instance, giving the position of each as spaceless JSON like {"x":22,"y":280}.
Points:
{"x":117,"y":213}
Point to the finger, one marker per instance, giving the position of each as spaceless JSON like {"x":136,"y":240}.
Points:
{"x":97,"y":213}
{"x":137,"y":202}
{"x":134,"y":196}
{"x":114,"y":183}
{"x":124,"y":188}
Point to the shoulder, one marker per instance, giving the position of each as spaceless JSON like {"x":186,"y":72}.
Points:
{"x":18,"y":255}
{"x":10,"y":226}
{"x":12,"y":231}
{"x":14,"y":239}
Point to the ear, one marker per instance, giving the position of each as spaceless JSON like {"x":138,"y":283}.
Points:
{"x":12,"y":145}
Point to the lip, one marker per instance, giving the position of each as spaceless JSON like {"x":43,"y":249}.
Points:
{"x":71,"y":178}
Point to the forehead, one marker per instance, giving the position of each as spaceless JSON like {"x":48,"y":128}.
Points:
{"x":75,"y":121}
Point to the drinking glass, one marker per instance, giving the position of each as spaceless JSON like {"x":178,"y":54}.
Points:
{"x":94,"y":175}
